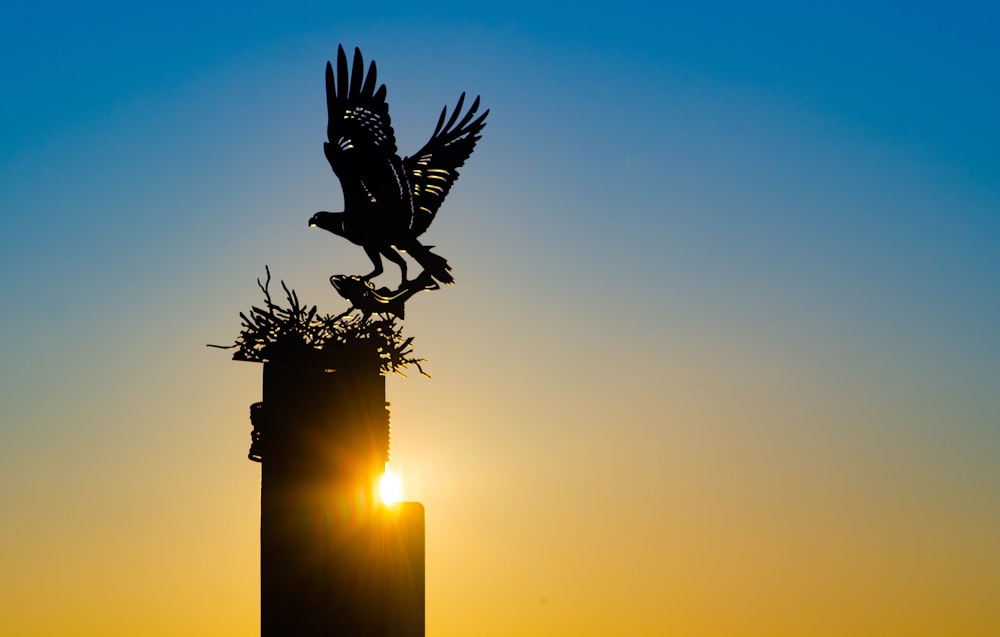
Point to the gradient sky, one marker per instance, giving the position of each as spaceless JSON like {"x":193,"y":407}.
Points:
{"x":722,"y":359}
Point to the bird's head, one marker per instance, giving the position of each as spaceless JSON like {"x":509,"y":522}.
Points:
{"x":329,"y":221}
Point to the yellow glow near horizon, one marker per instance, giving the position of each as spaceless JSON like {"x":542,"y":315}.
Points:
{"x":390,"y":488}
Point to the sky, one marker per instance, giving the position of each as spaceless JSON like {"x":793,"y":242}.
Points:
{"x":721,"y":359}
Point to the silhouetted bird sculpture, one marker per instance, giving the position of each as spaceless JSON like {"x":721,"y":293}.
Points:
{"x":388,"y":201}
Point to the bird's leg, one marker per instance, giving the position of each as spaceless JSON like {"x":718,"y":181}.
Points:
{"x":398,"y":259}
{"x":373,"y":254}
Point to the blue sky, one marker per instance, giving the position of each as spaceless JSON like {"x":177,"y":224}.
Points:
{"x":727,"y":274}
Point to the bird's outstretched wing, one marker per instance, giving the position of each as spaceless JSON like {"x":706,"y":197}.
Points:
{"x":434,"y":168}
{"x":361,"y":140}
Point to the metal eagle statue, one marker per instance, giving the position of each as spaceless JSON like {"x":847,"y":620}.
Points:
{"x":389,"y":202}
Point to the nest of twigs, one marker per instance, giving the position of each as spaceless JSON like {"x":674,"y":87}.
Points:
{"x":279,"y":333}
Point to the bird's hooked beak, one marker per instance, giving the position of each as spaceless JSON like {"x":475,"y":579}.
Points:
{"x":313,"y":221}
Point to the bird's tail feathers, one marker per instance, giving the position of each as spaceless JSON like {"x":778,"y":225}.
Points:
{"x":434,"y":264}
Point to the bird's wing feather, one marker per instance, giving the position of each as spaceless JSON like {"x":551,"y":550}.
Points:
{"x":360,"y":136}
{"x":434,"y":168}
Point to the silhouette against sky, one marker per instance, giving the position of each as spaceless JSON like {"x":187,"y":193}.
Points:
{"x":389,"y":202}
{"x":722,"y":360}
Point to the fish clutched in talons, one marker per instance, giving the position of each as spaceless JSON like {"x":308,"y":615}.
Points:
{"x":364,"y":297}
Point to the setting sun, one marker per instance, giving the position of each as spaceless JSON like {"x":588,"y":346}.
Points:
{"x":390,"y":488}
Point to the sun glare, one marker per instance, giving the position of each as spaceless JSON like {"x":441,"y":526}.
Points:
{"x":390,"y":488}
